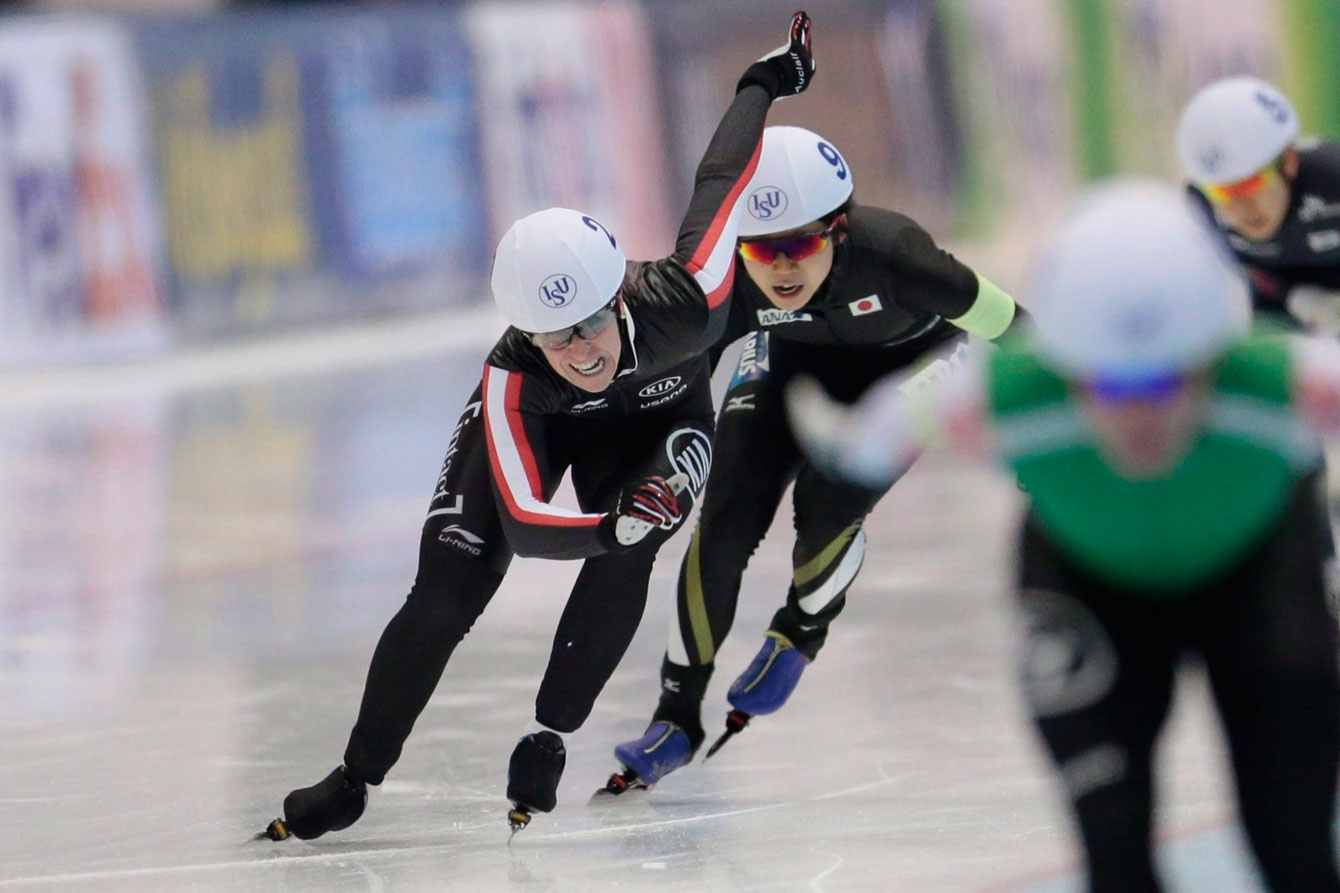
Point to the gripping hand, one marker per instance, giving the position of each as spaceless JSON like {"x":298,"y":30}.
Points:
{"x":788,"y":69}
{"x":645,"y":505}
{"x":833,"y":438}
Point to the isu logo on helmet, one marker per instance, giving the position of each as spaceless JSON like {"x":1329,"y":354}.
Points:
{"x":558,"y":290}
{"x":1210,"y":157}
{"x":1273,"y":106}
{"x":767,"y":202}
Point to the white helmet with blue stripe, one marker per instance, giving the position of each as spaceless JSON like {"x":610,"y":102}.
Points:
{"x":1233,"y":128}
{"x":800,"y":177}
{"x":554,"y":268}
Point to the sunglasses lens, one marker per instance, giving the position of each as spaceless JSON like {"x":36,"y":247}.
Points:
{"x":1149,"y":389}
{"x":590,"y":327}
{"x":797,"y":248}
{"x":1242,"y":189}
{"x":596,"y":323}
{"x":554,"y":340}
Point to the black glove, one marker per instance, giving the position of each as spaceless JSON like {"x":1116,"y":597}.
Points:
{"x":644,"y":505}
{"x":788,"y":69}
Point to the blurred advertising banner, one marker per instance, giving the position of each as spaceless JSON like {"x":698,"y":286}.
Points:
{"x":1159,"y":54}
{"x":571,"y":118}
{"x":882,"y":94}
{"x":1012,"y":74}
{"x":314,"y":166}
{"x":78,"y":230}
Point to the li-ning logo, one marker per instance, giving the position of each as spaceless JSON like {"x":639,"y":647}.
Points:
{"x":458,"y":536}
{"x":558,"y":290}
{"x":767,"y":202}
{"x":657,"y":388}
{"x":588,"y":405}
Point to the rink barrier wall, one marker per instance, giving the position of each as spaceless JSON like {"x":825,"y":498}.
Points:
{"x":171,"y":179}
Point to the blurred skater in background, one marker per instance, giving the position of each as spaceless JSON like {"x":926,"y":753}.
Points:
{"x":603,"y":371}
{"x":1274,"y":197}
{"x":845,"y":293}
{"x":1173,"y":474}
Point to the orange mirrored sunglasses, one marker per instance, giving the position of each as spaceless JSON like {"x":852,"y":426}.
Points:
{"x":1246,"y":188}
{"x":797,"y":247}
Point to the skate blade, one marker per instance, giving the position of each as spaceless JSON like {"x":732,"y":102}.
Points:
{"x":736,"y":721}
{"x":620,"y":784}
{"x":276,"y":830}
{"x":633,"y":792}
{"x":518,"y":817}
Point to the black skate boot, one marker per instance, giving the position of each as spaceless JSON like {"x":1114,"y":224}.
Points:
{"x":532,"y":776}
{"x":332,"y":804}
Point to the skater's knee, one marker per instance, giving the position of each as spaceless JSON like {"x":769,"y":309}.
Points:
{"x":564,"y":718}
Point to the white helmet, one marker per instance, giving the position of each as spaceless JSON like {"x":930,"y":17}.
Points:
{"x":1234,"y":128}
{"x":1134,"y":285}
{"x":800,"y":177}
{"x":554,"y":268}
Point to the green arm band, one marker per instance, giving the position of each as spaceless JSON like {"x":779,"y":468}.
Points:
{"x":991,"y":314}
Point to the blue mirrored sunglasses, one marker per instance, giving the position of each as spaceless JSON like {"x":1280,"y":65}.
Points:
{"x":1146,"y":388}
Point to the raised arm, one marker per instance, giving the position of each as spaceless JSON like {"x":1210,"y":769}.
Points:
{"x":706,"y":242}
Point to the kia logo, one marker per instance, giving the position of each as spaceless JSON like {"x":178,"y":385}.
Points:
{"x":766,"y":202}
{"x":558,"y":290}
{"x":657,"y":388}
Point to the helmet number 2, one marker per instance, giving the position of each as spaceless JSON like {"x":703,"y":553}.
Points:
{"x":832,"y":157}
{"x":596,"y":226}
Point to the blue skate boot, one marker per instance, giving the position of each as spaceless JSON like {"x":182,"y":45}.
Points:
{"x":661,"y":750}
{"x":673,"y":736}
{"x":533,"y":774}
{"x":764,"y":686}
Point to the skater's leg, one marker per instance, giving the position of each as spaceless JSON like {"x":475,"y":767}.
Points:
{"x":755,"y":459}
{"x":1097,"y":675}
{"x":1270,"y":650}
{"x":410,"y":657}
{"x":462,"y":557}
{"x":826,"y":557}
{"x":601,"y":616}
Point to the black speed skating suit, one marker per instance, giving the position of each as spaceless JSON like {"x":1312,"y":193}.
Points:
{"x":524,"y":426}
{"x":883,"y":307}
{"x":1306,"y":250}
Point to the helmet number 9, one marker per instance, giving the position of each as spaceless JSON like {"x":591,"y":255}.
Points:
{"x":832,"y":157}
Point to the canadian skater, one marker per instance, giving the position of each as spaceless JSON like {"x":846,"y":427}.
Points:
{"x":603,"y":372}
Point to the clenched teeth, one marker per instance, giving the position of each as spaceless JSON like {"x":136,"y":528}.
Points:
{"x":591,"y":368}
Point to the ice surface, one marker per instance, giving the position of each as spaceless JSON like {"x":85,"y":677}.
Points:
{"x":192,"y":581}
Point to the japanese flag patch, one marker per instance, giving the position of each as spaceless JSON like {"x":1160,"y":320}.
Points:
{"x":868,"y":304}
